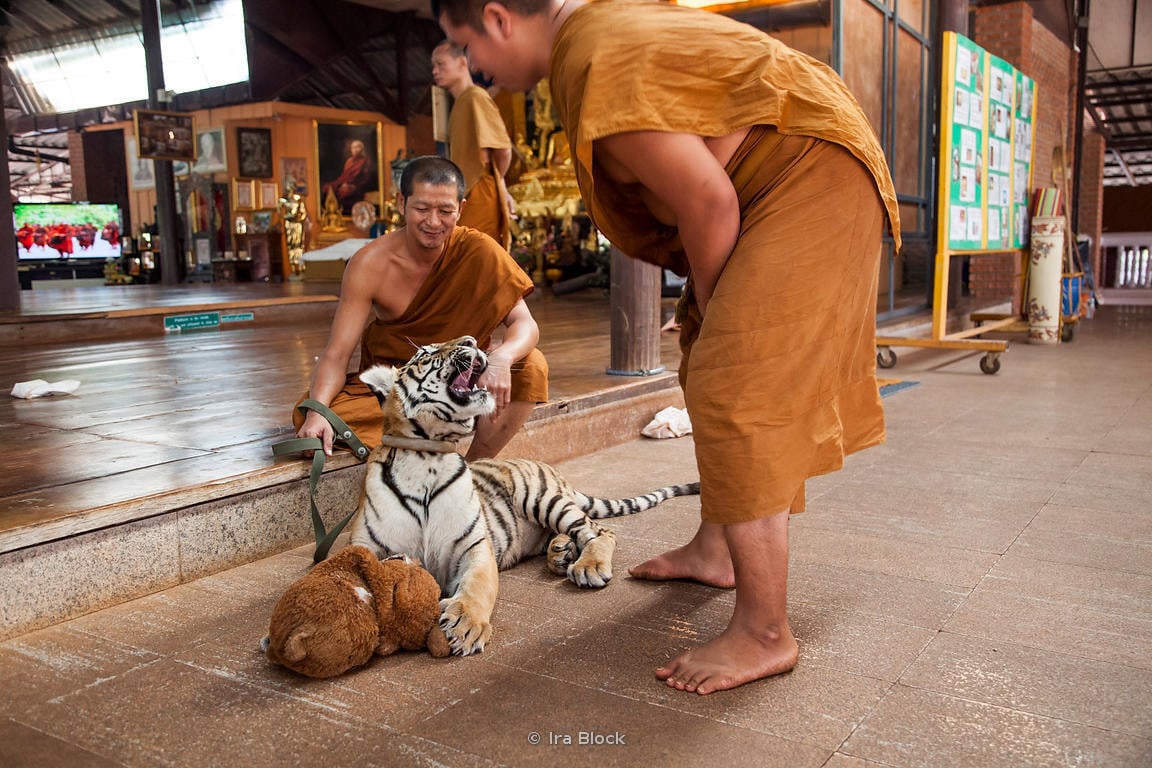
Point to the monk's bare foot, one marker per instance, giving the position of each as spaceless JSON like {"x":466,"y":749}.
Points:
{"x":704,"y":559}
{"x":734,"y":658}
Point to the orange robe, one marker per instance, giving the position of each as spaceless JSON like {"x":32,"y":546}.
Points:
{"x":469,"y":292}
{"x":474,"y":125}
{"x":779,"y":379}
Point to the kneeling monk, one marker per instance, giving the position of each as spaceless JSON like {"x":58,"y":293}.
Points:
{"x":428,"y":282}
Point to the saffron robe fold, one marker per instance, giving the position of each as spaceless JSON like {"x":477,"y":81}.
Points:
{"x":779,"y":379}
{"x":683,"y":70}
{"x":470,"y":290}
{"x":474,"y":125}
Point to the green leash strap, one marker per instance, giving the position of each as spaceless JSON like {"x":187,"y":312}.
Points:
{"x":344,"y":433}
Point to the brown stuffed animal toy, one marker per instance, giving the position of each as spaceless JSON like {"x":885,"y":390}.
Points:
{"x":351,"y":606}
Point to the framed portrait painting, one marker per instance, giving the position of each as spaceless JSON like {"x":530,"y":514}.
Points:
{"x":141,"y":175}
{"x":210,"y":153}
{"x":348,"y":163}
{"x":254,"y":149}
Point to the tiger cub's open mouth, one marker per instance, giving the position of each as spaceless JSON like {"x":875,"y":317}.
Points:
{"x":469,"y":368}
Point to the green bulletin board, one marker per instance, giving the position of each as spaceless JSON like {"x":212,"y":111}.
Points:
{"x":1022,"y":156}
{"x":986,"y":152}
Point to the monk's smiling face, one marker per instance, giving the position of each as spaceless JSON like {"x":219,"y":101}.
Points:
{"x":430,"y":214}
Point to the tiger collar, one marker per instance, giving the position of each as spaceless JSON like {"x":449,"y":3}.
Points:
{"x":417,"y":444}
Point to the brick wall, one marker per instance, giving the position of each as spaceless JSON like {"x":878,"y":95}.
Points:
{"x":1090,"y":220}
{"x":993,"y":278}
{"x":76,"y":165}
{"x":1011,"y":32}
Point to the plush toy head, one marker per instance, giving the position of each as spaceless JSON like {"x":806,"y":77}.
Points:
{"x":351,"y":606}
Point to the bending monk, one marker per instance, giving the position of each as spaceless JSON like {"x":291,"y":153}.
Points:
{"x":428,"y":282}
{"x":705,"y":146}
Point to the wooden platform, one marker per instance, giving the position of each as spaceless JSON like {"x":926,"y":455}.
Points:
{"x":161,"y":464}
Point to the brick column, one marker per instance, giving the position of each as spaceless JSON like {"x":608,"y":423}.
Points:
{"x":1011,"y":32}
{"x":1091,"y":218}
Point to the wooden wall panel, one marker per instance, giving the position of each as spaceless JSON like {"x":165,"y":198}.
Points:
{"x":862,"y":33}
{"x":293,"y":135}
{"x":908,"y":152}
{"x":912,"y":13}
{"x":816,"y":41}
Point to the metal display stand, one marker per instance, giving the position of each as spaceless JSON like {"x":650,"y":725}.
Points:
{"x":962,"y":340}
{"x":985,"y":170}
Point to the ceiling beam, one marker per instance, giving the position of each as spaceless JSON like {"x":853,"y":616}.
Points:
{"x":1123,"y":165}
{"x":1142,"y":143}
{"x":1127,"y":119}
{"x":1122,"y":101}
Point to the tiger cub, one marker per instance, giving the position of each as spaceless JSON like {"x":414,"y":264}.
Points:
{"x":465,"y":522}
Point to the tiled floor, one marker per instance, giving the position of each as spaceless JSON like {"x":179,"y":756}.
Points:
{"x":975,"y":592}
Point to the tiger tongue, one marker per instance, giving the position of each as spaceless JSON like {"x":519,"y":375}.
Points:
{"x":461,"y":381}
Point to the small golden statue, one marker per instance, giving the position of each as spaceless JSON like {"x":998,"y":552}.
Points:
{"x":525,"y":152}
{"x":332,"y":219}
{"x":294,"y":213}
{"x":545,"y":122}
{"x":393,"y":219}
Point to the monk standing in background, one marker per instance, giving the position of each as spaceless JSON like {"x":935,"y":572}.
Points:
{"x":477,"y":142}
{"x":425,"y":283}
{"x":705,"y":146}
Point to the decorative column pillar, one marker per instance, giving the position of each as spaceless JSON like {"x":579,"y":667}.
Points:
{"x":635,"y":326}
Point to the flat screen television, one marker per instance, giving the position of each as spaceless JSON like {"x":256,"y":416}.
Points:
{"x":54,"y":231}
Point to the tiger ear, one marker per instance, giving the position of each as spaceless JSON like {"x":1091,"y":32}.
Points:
{"x":379,"y":379}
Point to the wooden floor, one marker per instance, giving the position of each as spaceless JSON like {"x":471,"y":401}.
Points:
{"x":160,"y":412}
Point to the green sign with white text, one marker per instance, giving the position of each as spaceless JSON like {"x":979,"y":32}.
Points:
{"x":192,"y":322}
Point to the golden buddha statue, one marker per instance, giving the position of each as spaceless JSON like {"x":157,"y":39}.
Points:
{"x":332,"y":220}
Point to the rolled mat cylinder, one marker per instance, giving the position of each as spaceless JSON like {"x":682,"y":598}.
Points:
{"x":1045,"y":269}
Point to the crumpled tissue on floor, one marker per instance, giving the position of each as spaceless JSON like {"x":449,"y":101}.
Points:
{"x":670,"y":422}
{"x":39,"y":388}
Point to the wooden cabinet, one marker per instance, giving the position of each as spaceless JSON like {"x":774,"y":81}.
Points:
{"x":264,"y":251}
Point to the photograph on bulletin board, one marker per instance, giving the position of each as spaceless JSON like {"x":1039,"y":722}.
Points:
{"x":965,"y":188}
{"x":1001,"y":101}
{"x":1025,"y":118}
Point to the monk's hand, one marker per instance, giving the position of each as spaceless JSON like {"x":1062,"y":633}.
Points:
{"x":497,"y":379}
{"x":316,"y":425}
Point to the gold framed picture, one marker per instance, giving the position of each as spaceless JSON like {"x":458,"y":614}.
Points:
{"x":243,"y":194}
{"x":269,"y":194}
{"x":348,"y":162}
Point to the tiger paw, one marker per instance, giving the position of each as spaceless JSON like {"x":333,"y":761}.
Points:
{"x":561,"y":554}
{"x":594,"y":566}
{"x":466,"y":631}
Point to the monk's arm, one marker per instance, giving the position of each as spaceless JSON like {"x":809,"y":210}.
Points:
{"x":501,"y":159}
{"x":686,"y":179}
{"x":520,"y":337}
{"x":328,"y":377}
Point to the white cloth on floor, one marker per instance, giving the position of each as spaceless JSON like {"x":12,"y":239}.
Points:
{"x":39,"y":388}
{"x":670,"y":422}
